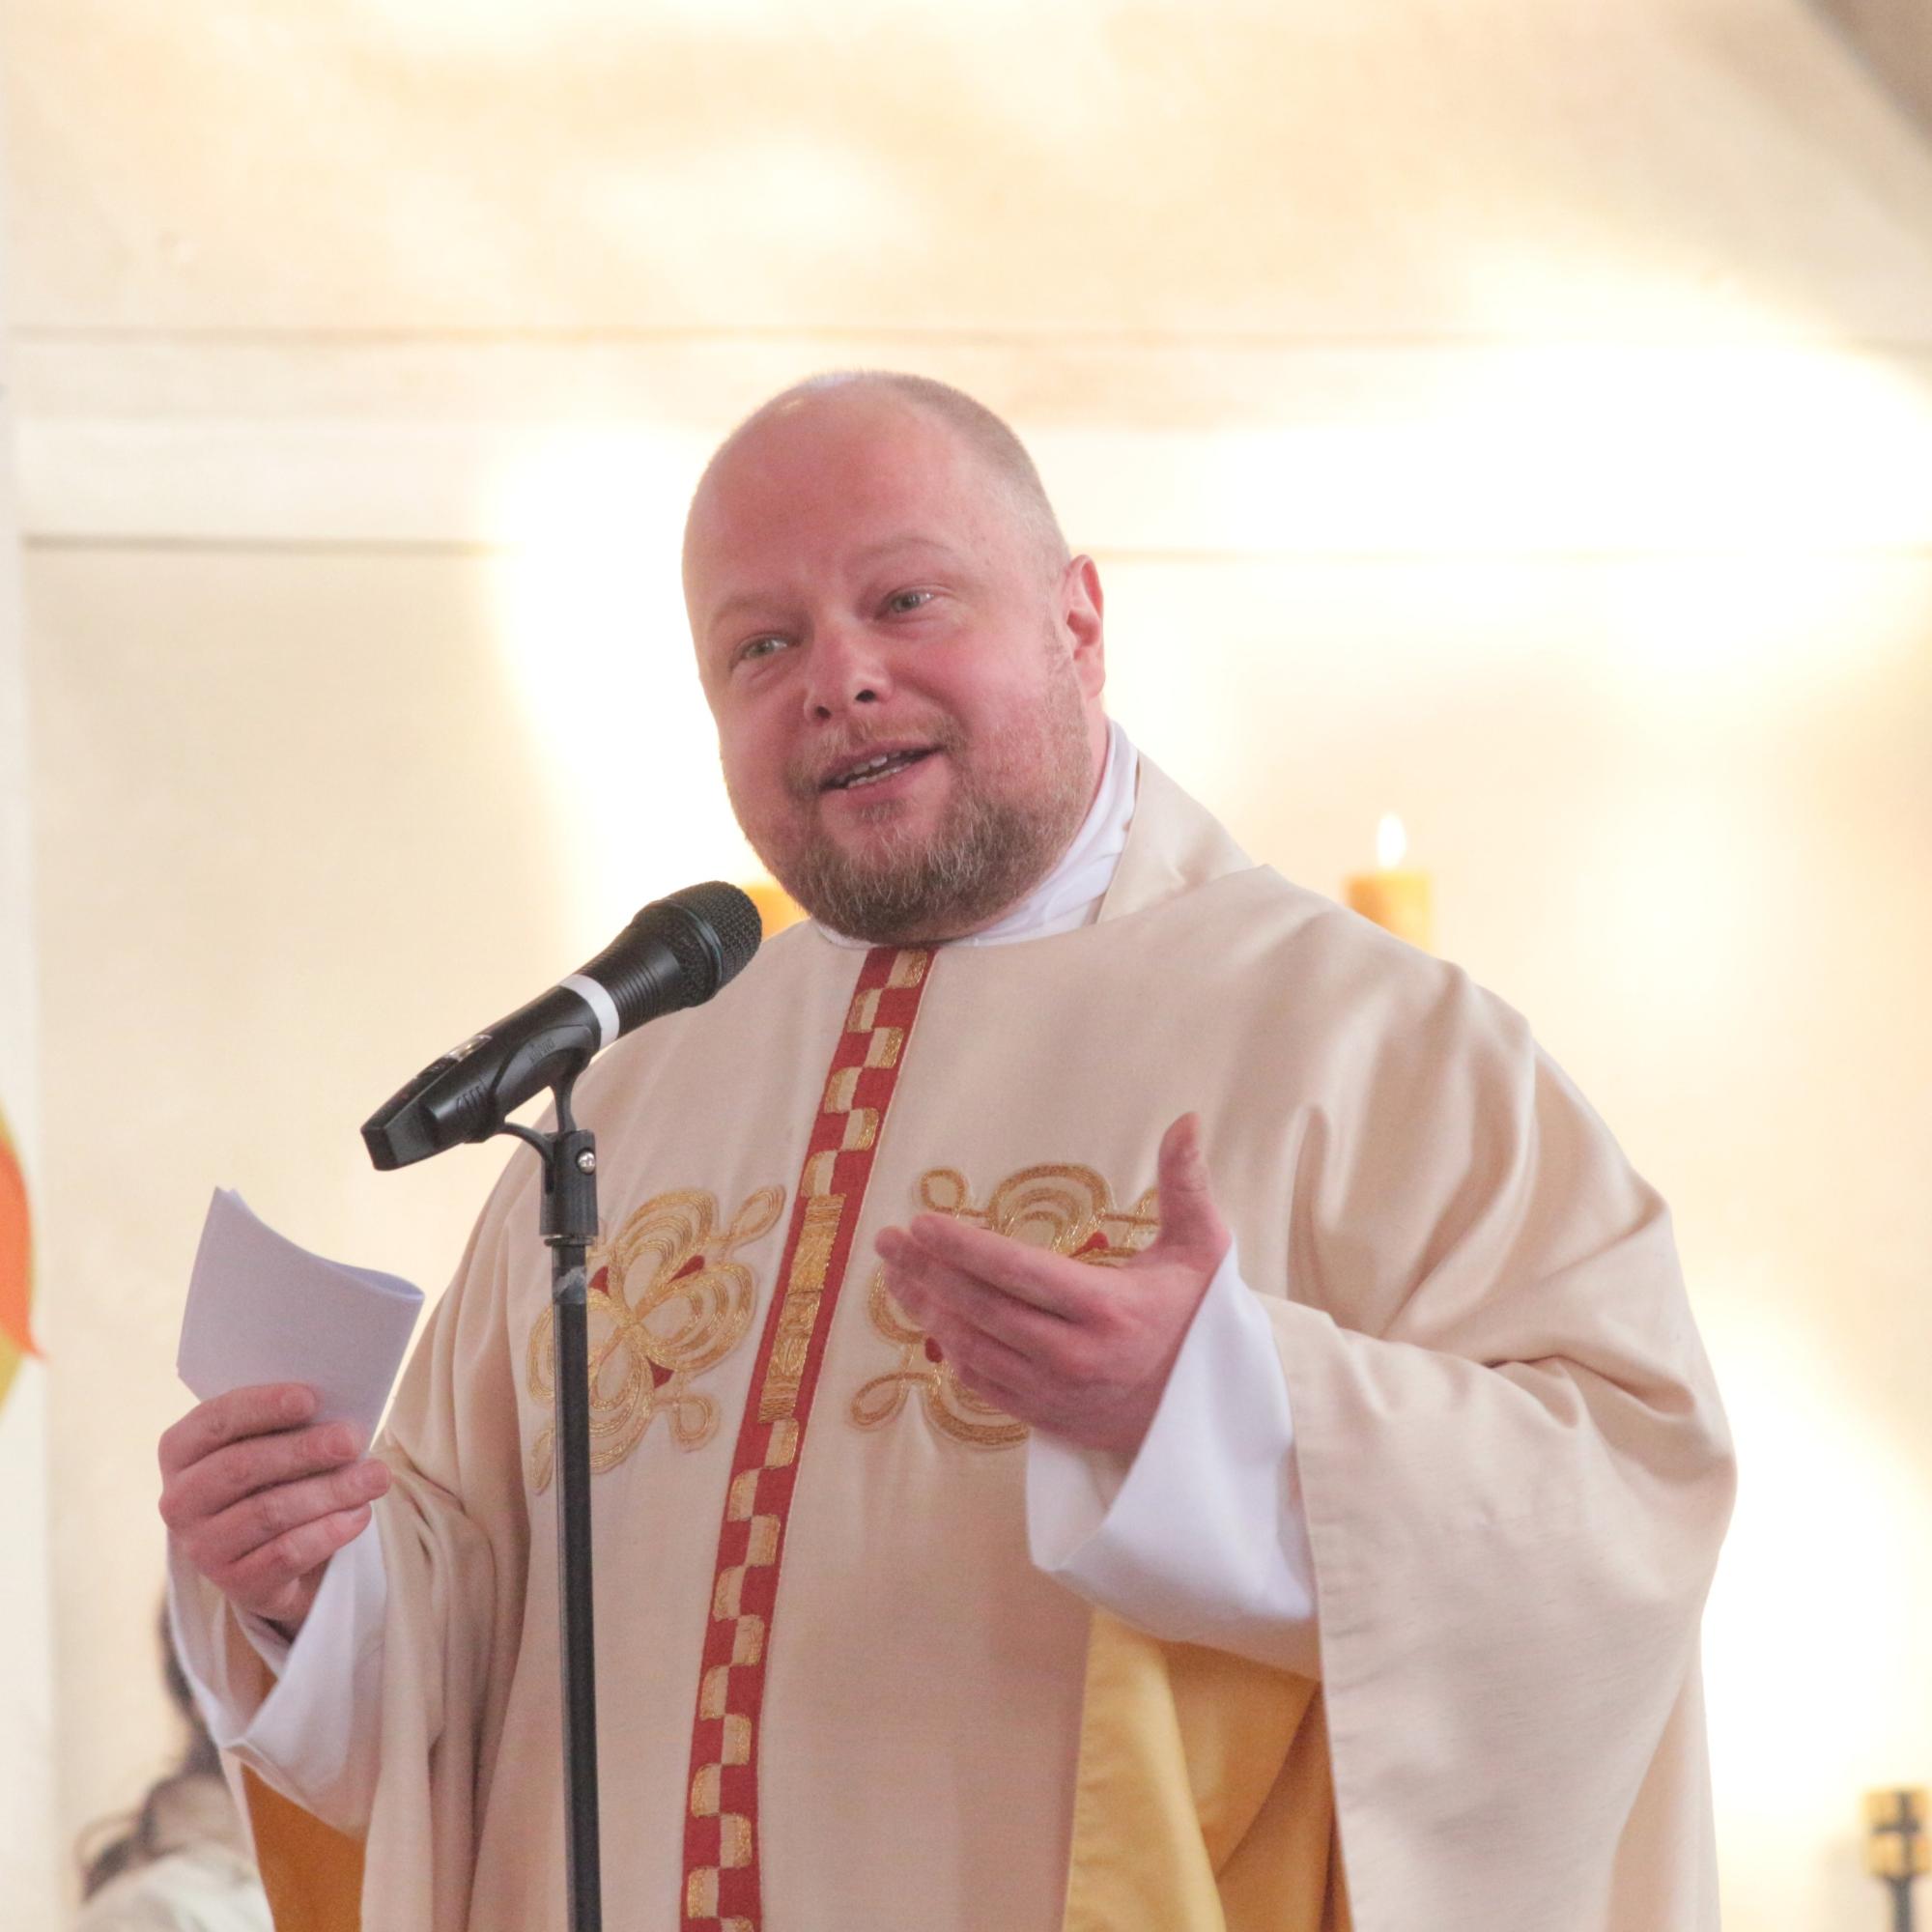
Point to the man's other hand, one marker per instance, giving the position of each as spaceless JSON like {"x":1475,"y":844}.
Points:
{"x":258,"y":1502}
{"x":1081,"y":1351}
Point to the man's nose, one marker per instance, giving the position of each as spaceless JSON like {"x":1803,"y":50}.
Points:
{"x":848,"y":670}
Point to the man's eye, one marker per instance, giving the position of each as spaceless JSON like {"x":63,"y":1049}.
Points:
{"x":902,"y":601}
{"x":759,"y":647}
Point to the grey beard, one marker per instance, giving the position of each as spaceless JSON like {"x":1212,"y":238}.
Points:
{"x":978,"y":867}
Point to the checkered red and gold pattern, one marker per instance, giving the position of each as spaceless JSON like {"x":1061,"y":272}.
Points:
{"x":722,"y":1885}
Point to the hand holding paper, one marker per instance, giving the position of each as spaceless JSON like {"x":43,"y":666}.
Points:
{"x":293,"y":1356}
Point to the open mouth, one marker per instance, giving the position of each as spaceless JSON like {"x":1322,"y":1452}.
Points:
{"x":870,"y":771}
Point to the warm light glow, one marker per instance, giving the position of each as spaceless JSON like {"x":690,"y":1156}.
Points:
{"x":1391,"y":844}
{"x":593,"y":628}
{"x":1815,"y":1602}
{"x":1569,"y":450}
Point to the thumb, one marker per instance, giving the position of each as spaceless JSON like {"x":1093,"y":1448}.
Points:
{"x":1190,"y":1224}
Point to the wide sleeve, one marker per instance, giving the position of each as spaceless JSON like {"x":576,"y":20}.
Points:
{"x":302,"y":1715}
{"x":455,"y":1536}
{"x":1516,"y":1474}
{"x":1199,"y":1536}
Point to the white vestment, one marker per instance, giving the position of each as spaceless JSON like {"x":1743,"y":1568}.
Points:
{"x":1508,"y":1457}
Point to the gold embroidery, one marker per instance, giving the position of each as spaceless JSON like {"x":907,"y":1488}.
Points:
{"x":1067,"y":1209}
{"x":762,"y":1546}
{"x":793,"y":1340}
{"x":667,"y":1303}
{"x":700,"y":1893}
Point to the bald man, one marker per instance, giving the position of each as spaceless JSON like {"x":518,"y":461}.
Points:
{"x":1123,"y":1397}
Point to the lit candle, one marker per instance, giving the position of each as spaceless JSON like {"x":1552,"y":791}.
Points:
{"x":1896,"y":1846}
{"x":1394,"y":895}
{"x":777,"y":908}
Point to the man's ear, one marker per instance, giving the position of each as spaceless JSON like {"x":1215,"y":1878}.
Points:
{"x":1081,"y":607}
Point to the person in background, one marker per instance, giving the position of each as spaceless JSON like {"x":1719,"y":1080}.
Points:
{"x":179,"y":1861}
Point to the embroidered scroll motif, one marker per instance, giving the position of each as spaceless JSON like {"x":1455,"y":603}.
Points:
{"x":1069,"y":1210}
{"x":666,"y":1302}
{"x":723,"y":1885}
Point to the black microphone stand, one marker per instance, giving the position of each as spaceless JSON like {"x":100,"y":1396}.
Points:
{"x":569,"y":1225}
{"x":677,"y":952}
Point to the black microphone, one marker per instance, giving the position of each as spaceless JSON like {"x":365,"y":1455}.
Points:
{"x":677,"y":952}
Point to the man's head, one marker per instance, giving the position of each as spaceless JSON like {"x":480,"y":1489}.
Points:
{"x":873,"y":572}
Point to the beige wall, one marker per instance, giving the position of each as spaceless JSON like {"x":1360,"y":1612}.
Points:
{"x":29,"y":1864}
{"x":1515,"y":415}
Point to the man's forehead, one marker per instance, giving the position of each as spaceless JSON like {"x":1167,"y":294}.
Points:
{"x":867,"y":449}
{"x":855,"y":496}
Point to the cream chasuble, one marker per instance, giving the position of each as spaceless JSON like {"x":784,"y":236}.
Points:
{"x":834,"y":1692}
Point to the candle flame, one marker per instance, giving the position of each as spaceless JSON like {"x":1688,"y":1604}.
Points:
{"x":1391,"y":842}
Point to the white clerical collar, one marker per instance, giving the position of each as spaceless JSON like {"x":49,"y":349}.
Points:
{"x":1070,"y":895}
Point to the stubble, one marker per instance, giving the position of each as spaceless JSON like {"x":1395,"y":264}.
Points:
{"x":1003,"y":827}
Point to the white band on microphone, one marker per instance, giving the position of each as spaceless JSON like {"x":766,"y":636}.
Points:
{"x":599,"y":1002}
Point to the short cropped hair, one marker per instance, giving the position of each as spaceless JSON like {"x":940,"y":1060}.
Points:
{"x":988,"y":438}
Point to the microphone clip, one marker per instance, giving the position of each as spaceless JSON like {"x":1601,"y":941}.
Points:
{"x":569,"y":1157}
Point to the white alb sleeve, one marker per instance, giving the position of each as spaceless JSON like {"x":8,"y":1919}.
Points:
{"x":314,"y":1734}
{"x":1200,"y":1537}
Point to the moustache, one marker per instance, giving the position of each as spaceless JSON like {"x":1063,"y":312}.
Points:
{"x":805,"y":777}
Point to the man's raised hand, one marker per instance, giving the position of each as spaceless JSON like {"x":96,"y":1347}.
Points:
{"x":1081,"y":1351}
{"x":259,"y":1502}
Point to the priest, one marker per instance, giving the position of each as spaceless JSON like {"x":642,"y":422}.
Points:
{"x":1125,"y":1399}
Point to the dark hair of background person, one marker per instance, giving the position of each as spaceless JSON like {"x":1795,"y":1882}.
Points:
{"x":128,"y":1840}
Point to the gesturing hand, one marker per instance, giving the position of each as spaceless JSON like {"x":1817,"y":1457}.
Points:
{"x":259,"y":1503}
{"x":1081,"y":1351}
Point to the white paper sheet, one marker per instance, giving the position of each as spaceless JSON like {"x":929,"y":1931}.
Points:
{"x":260,"y":1309}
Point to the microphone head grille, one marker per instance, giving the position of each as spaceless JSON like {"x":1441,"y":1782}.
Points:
{"x":723,"y":933}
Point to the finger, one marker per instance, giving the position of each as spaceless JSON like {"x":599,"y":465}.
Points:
{"x":993,"y":1372}
{"x":1037,"y":1275}
{"x":906,"y":1267}
{"x":206,"y":1488}
{"x":1189,"y":1221}
{"x":265,"y":1581}
{"x":929,"y":1290}
{"x":232,"y":1417}
{"x":271,"y":1514}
